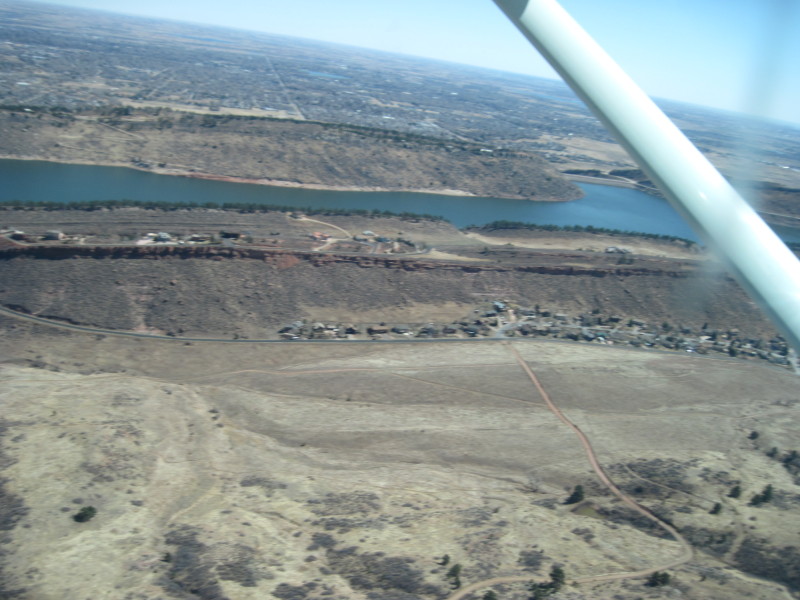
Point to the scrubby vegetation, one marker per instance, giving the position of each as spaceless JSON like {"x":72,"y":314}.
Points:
{"x":782,"y":564}
{"x":503,"y":224}
{"x":242,"y":207}
{"x":196,"y":568}
{"x":370,"y":571}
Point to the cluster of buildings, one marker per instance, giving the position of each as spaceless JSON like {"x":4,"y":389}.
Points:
{"x":499,"y":320}
{"x":162,"y":237}
{"x":17,"y":235}
{"x":318,"y":331}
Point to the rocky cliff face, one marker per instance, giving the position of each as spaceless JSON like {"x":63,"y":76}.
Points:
{"x":251,"y":292}
{"x":283,"y":259}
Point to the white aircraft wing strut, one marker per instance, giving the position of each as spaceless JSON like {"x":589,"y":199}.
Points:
{"x":761,"y":262}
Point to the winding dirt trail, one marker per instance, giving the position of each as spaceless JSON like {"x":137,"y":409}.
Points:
{"x":346,"y":233}
{"x":686,"y":548}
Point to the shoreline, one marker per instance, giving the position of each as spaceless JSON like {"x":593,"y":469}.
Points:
{"x":265,"y":181}
{"x":777,"y":219}
{"x":234,"y":179}
{"x":298,"y":185}
{"x":620,"y":183}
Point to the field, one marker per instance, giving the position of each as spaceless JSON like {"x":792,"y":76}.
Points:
{"x":331,"y":471}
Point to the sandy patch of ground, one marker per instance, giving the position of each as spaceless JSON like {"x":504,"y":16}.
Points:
{"x":203,"y":110}
{"x":447,"y":256}
{"x":592,"y":243}
{"x":413,"y":313}
{"x":604,"y":151}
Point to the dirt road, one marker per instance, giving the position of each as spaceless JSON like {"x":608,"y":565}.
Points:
{"x":686,"y":548}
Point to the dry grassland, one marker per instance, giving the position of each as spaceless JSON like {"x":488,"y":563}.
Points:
{"x":347,"y":471}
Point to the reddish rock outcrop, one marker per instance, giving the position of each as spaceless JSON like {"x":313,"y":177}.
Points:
{"x":286,"y":259}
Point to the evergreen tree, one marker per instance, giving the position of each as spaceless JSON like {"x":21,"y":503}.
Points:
{"x":658,"y":579}
{"x":543,"y":590}
{"x":767,"y":493}
{"x":454,"y":576}
{"x":557,"y":577}
{"x":576,"y":496}
{"x":84,"y":514}
{"x":765,"y":496}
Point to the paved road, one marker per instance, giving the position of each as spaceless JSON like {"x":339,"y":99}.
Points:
{"x":154,"y":336}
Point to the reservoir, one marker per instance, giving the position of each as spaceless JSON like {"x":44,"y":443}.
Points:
{"x":603,"y":206}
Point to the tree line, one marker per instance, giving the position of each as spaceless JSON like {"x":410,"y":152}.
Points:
{"x":503,"y":224}
{"x":242,"y":207}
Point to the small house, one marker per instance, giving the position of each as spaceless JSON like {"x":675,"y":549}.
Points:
{"x":200,"y":237}
{"x":428,"y":331}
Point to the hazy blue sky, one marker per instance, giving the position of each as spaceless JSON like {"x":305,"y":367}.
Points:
{"x":741,"y":55}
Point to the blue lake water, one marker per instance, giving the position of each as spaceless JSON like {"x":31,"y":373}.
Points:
{"x":603,"y":206}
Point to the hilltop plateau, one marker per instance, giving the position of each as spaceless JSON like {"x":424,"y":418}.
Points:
{"x":226,"y":293}
{"x":280,"y":152}
{"x":232,"y":274}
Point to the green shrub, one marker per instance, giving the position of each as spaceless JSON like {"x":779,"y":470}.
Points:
{"x":576,"y":496}
{"x":657,"y":579}
{"x":84,"y":514}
